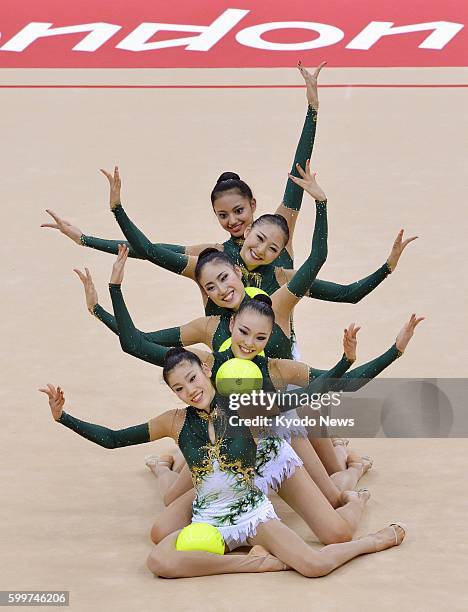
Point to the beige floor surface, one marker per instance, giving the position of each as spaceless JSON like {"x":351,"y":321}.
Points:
{"x":75,"y":516}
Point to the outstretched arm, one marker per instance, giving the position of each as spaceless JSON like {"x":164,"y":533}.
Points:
{"x":292,"y":198}
{"x":159,"y":427}
{"x":157,"y":254}
{"x":360,"y":376}
{"x":100,"y":244}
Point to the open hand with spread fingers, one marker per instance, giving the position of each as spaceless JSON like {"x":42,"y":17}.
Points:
{"x":119,"y":265}
{"x":407,"y":331}
{"x":311,"y":83}
{"x":350,"y":341}
{"x":397,"y":249}
{"x":90,"y":290}
{"x":114,"y":186}
{"x":56,"y":400}
{"x":308,"y":182}
{"x":65,"y":227}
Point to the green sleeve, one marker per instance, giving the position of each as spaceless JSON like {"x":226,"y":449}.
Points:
{"x":360,"y":376}
{"x":157,"y":254}
{"x":305,"y":276}
{"x":165,"y":337}
{"x":132,"y":340}
{"x":293,"y":193}
{"x":352,"y":293}
{"x":108,"y":438}
{"x":112,"y":246}
{"x":319,"y":383}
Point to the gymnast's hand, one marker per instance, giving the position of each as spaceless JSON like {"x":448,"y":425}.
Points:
{"x":119,"y":265}
{"x":90,"y":290}
{"x":308,"y":182}
{"x":350,"y":341}
{"x":64,"y":227}
{"x":397,"y":249}
{"x":114,"y":184}
{"x":406,"y":332}
{"x":56,"y":400}
{"x":311,"y":83}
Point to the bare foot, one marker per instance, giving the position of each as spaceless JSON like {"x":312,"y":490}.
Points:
{"x":362,"y":495}
{"x":270,"y":563}
{"x":388,"y":537}
{"x":156,"y":462}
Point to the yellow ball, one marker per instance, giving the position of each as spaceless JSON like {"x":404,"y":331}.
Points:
{"x":238,"y":376}
{"x":227,"y":344}
{"x":253,"y":291}
{"x":201,"y":536}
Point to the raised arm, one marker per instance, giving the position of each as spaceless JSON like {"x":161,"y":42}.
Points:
{"x":285,"y":298}
{"x":159,"y":427}
{"x":132,"y":340}
{"x":360,"y":376}
{"x":293,"y":194}
{"x":154,"y":252}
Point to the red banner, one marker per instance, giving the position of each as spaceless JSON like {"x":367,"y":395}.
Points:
{"x":231,"y":33}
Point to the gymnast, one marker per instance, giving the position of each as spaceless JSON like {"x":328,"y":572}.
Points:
{"x":258,"y":319}
{"x":222,"y":465}
{"x":232,"y":199}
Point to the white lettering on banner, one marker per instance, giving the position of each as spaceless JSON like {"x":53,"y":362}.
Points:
{"x":443,"y":32}
{"x":252,"y":37}
{"x":208,"y":35}
{"x":204,"y":38}
{"x":99,"y":33}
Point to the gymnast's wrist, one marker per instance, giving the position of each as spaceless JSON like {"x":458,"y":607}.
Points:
{"x":115,"y":205}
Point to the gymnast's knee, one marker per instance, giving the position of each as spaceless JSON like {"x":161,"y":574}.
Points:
{"x":316,"y":567}
{"x":337,"y":535}
{"x":158,"y":532}
{"x":161,"y":564}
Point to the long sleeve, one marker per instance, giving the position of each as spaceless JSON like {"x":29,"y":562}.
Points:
{"x":165,"y":337}
{"x":132,"y":340}
{"x":360,"y":376}
{"x":352,"y":293}
{"x":305,"y":276}
{"x":293,"y":194}
{"x":112,"y":246}
{"x":108,"y":438}
{"x":154,"y":252}
{"x":323,"y":381}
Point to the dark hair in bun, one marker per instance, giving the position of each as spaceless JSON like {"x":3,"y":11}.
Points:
{"x":228,"y":181}
{"x":260,"y":304}
{"x":175,"y":356}
{"x":277,"y":220}
{"x":208,"y":255}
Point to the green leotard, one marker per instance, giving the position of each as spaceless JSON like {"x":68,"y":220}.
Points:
{"x":135,"y":344}
{"x":292,"y":199}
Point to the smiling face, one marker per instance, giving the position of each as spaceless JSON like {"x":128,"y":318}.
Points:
{"x":234,"y":211}
{"x":192,"y":384}
{"x":222,"y":283}
{"x":250,"y":332}
{"x":263,"y":244}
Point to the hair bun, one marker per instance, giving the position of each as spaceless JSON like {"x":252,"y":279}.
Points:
{"x":261,"y":297}
{"x":175,"y":350}
{"x":228,"y":176}
{"x":207,"y":252}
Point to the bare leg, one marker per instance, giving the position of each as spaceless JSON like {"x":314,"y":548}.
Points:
{"x":176,"y":516}
{"x":166,"y":561}
{"x":179,"y":486}
{"x":348,"y":479}
{"x":326,"y":451}
{"x":316,"y":470}
{"x":329,"y":525}
{"x":287,"y":546}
